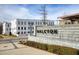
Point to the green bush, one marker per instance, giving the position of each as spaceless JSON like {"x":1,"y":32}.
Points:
{"x":61,"y":50}
{"x":5,"y":34}
{"x":37,"y":45}
{"x":44,"y":47}
{"x":1,"y":37}
{"x":13,"y":35}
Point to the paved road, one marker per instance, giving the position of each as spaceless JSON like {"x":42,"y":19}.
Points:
{"x":9,"y":49}
{"x":11,"y":40}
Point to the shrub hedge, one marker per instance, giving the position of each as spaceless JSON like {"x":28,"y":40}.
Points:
{"x":61,"y":50}
{"x":1,"y":37}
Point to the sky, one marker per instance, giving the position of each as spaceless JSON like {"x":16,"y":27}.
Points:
{"x":10,"y":12}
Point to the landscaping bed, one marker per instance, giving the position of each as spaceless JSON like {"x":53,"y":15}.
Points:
{"x":61,"y":50}
{"x":7,"y":36}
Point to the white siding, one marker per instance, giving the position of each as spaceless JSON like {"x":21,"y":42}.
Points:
{"x":6,"y":28}
{"x":28,"y":23}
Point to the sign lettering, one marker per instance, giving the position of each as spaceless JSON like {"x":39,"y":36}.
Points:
{"x":48,"y":31}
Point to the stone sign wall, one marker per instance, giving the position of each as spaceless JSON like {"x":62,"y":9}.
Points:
{"x":55,"y":41}
{"x":57,"y":31}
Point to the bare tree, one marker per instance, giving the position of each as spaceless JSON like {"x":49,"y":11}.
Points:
{"x":1,"y":28}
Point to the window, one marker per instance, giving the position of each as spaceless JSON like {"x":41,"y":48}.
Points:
{"x":18,"y":28}
{"x":18,"y":23}
{"x":28,"y":31}
{"x":21,"y":32}
{"x":38,"y":31}
{"x":24,"y":28}
{"x":21,"y":28}
{"x":21,"y":23}
{"x":32,"y":23}
{"x":68,"y":22}
{"x":28,"y":23}
{"x":24,"y":23}
{"x":18,"y":33}
{"x":8,"y":25}
{"x":29,"y":27}
{"x":24,"y":32}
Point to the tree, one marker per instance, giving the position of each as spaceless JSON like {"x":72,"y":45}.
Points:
{"x":10,"y":33}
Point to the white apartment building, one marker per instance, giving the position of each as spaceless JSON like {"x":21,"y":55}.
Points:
{"x":6,"y":28}
{"x":25,"y":27}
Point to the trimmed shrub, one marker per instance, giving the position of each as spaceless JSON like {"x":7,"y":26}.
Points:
{"x":1,"y":37}
{"x":5,"y":34}
{"x":44,"y":47}
{"x":61,"y":50}
{"x":78,"y":52}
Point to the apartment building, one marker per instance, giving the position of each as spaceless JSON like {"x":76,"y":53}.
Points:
{"x":25,"y":27}
{"x":6,"y":28}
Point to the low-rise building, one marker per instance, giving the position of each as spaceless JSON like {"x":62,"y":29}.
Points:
{"x":69,"y":19}
{"x":6,"y":28}
{"x":25,"y":27}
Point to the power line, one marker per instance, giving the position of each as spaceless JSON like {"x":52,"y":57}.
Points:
{"x":43,"y":12}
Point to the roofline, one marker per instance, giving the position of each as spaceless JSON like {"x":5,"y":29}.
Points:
{"x":33,"y":19}
{"x":68,"y":15}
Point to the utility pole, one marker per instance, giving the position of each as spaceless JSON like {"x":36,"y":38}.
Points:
{"x":43,"y":12}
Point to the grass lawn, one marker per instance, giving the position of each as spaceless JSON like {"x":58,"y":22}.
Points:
{"x":7,"y":36}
